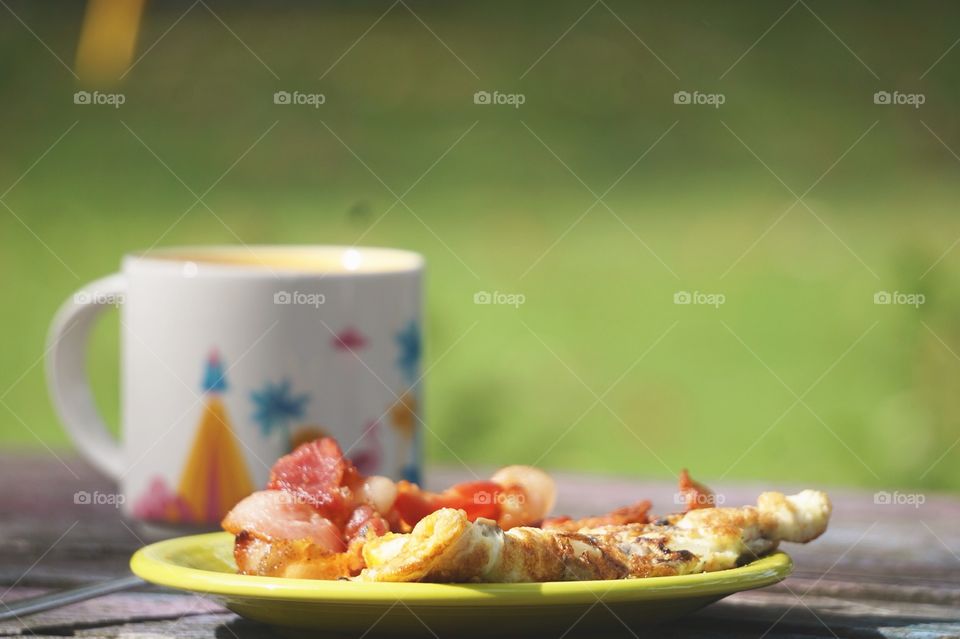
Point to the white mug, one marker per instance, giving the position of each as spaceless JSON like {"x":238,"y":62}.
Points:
{"x":231,"y":356}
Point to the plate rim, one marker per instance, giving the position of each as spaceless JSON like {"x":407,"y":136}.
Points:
{"x":153,"y":564}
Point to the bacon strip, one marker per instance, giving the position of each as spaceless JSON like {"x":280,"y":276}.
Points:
{"x":633,"y":514}
{"x":318,"y":473}
{"x":694,"y":494}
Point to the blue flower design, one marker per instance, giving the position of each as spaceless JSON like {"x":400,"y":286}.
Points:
{"x":408,"y":339}
{"x":276,"y":407}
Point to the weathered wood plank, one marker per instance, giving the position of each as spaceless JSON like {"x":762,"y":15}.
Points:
{"x":880,"y":571}
{"x":742,"y":615}
{"x":111,"y":610}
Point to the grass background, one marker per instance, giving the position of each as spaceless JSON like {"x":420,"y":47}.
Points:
{"x":500,"y":212}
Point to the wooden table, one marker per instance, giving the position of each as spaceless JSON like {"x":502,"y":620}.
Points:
{"x":880,"y":571}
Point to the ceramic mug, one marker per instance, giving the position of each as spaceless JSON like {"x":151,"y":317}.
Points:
{"x":232,"y":356}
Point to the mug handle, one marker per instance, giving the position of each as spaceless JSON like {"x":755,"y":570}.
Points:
{"x":66,"y":359}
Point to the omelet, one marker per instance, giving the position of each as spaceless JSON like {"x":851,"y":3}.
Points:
{"x":446,"y":547}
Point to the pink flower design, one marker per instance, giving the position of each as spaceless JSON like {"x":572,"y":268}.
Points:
{"x":349,"y":339}
{"x":159,"y":503}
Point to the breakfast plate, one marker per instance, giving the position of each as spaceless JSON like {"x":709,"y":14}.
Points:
{"x":204,"y":564}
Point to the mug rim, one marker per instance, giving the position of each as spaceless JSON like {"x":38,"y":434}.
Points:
{"x":174,"y":260}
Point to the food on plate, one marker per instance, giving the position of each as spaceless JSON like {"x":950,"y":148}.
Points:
{"x":691,"y":493}
{"x":318,"y":510}
{"x":320,"y":518}
{"x":447,"y":547}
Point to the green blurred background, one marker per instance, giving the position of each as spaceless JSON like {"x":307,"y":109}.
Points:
{"x":508,"y":208}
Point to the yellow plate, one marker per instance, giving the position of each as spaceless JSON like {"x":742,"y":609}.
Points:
{"x":204,"y":564}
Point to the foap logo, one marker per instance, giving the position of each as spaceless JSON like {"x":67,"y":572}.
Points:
{"x":703,"y":500}
{"x":501,"y":498}
{"x":295,"y":499}
{"x":99,"y":98}
{"x":97,"y":298}
{"x":511,"y":99}
{"x":299,"y":98}
{"x":497,"y":298}
{"x":687,"y":298}
{"x":96,"y":498}
{"x":899,"y":298}
{"x":896,"y":498}
{"x":698,"y":98}
{"x":299,"y":298}
{"x":899,"y":99}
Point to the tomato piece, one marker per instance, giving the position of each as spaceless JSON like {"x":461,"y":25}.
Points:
{"x":411,"y":504}
{"x":476,"y":498}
